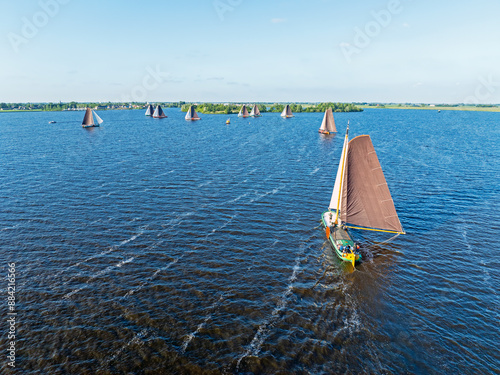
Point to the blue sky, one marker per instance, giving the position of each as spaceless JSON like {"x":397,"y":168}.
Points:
{"x":243,"y":50}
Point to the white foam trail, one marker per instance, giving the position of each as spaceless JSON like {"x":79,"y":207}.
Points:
{"x":236,"y":199}
{"x":138,"y":339}
{"x":9,"y":228}
{"x":110,"y":250}
{"x":151,"y":278}
{"x":191,"y":336}
{"x":100,"y":273}
{"x":221,"y":227}
{"x":259,"y":197}
{"x":265,"y":328}
{"x":487,"y":277}
{"x":314,"y":172}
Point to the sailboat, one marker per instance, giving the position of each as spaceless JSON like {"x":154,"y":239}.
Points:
{"x":89,"y":121}
{"x":255,"y":112}
{"x":328,"y":124}
{"x":191,"y":115}
{"x":228,"y":121}
{"x":287,"y":112}
{"x":360,"y":200}
{"x":159,"y":113}
{"x":243,"y":112}
{"x":150,"y":110}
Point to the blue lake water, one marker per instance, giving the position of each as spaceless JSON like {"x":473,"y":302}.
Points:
{"x":160,"y":246}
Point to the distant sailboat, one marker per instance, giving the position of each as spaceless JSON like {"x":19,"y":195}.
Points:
{"x":228,"y":121}
{"x":328,"y":124}
{"x":360,"y":200}
{"x":243,"y":112}
{"x":191,"y":114}
{"x":287,"y":112}
{"x":255,"y":112}
{"x":150,"y":110}
{"x":159,"y":113}
{"x":89,"y":121}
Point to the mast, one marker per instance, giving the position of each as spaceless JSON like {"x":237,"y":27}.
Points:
{"x":342,"y":173}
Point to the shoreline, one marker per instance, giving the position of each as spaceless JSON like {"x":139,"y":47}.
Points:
{"x":469,"y":109}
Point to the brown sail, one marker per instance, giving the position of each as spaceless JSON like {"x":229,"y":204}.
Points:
{"x":366,"y":199}
{"x":243,"y":111}
{"x":328,"y":124}
{"x":191,"y":114}
{"x":255,"y":111}
{"x":88,"y":120}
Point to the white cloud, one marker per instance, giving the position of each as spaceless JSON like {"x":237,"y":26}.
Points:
{"x":278,"y":20}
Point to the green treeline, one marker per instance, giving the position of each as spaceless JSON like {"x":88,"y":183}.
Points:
{"x":74,"y":105}
{"x":211,"y":108}
{"x":205,"y":108}
{"x":336,"y":107}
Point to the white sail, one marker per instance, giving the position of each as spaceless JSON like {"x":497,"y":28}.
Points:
{"x":283,"y":114}
{"x":99,"y":120}
{"x":337,"y":188}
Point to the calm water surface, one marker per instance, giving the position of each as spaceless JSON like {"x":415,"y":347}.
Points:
{"x":160,"y":246}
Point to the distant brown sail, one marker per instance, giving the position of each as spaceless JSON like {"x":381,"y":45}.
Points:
{"x":328,"y":124}
{"x":287,"y":112}
{"x":243,"y":111}
{"x":255,"y":111}
{"x":366,"y":199}
{"x":191,"y":114}
{"x":88,"y":119}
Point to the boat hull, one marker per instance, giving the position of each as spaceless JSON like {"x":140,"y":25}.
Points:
{"x":339,"y":237}
{"x":324,"y":132}
{"x":90,"y":126}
